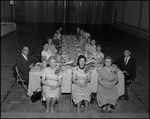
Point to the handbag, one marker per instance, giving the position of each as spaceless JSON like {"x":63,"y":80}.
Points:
{"x":36,"y":95}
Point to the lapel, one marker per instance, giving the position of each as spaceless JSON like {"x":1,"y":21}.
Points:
{"x":24,"y":59}
{"x":123,"y":60}
{"x":128,"y":61}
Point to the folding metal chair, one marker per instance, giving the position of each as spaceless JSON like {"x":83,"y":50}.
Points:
{"x":130,"y":84}
{"x":19,"y":79}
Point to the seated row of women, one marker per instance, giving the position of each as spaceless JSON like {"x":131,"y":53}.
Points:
{"x":81,"y":92}
{"x":91,"y":51}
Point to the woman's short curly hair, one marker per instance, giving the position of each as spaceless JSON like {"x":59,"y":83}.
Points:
{"x":98,"y":45}
{"x":110,"y":58}
{"x":52,"y":57}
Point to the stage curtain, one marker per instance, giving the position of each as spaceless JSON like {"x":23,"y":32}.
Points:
{"x":80,"y":12}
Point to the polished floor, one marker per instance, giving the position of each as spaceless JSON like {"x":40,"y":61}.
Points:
{"x":113,"y":42}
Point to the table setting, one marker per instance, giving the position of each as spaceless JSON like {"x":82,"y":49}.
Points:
{"x":68,"y":61}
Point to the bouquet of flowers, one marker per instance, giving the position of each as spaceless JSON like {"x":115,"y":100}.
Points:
{"x":57,"y":71}
{"x":87,"y":69}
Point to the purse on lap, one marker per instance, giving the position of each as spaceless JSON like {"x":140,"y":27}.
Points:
{"x":36,"y":95}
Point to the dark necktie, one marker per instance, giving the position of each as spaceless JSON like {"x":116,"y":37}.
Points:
{"x":125,"y":62}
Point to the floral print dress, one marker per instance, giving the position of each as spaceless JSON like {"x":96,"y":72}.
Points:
{"x":81,"y":93}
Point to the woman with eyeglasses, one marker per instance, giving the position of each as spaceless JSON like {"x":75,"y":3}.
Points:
{"x":107,"y":93}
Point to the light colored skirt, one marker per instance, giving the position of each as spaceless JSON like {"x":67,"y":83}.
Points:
{"x":47,"y":92}
{"x":107,"y":96}
{"x":79,"y":93}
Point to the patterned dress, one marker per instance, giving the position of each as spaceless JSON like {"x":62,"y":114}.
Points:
{"x":52,"y":79}
{"x":98,"y":56}
{"x":81,"y":93}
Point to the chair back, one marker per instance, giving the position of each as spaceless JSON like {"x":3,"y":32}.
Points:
{"x":16,"y":68}
{"x":18,"y":75}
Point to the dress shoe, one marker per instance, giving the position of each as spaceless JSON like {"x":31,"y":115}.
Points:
{"x":126,"y":97}
{"x":103,"y":111}
{"x":109,"y":111}
{"x":92,"y":101}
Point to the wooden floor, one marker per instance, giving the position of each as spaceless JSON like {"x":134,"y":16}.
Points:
{"x":113,"y":43}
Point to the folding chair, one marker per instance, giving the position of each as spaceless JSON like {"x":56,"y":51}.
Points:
{"x":43,"y":100}
{"x":71,"y":96}
{"x":19,"y":79}
{"x":130,"y":84}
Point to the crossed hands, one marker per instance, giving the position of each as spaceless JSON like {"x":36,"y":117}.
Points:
{"x":53,"y":87}
{"x":82,"y":84}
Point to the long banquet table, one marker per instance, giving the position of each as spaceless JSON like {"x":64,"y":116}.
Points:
{"x":35,"y":74}
{"x":7,"y":27}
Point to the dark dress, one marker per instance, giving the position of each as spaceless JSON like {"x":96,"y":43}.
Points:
{"x":57,"y":44}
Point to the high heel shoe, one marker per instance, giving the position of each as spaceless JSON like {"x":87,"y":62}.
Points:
{"x":109,"y":110}
{"x":103,"y":110}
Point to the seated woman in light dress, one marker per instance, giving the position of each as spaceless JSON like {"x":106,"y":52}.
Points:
{"x":51,"y":47}
{"x":82,"y":40}
{"x":51,"y":80}
{"x":91,"y":52}
{"x":93,"y":45}
{"x":45,"y":53}
{"x":99,"y":56}
{"x":88,"y":45}
{"x":81,"y":90}
{"x":107,"y":93}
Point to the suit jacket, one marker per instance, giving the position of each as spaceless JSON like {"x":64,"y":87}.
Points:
{"x":130,"y":67}
{"x":23,"y":67}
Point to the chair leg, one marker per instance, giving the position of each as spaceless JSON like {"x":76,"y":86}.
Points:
{"x":71,"y":102}
{"x":24,"y":86}
{"x":130,"y":86}
{"x":117,"y":107}
{"x":59,"y":103}
{"x":16,"y":85}
{"x":89,"y":106}
{"x":40,"y":106}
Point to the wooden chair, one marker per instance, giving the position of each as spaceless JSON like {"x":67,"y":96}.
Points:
{"x":58,"y":102}
{"x":71,"y":96}
{"x":19,"y":79}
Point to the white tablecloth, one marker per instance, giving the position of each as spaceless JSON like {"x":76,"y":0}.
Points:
{"x":35,"y":81}
{"x":7,"y":27}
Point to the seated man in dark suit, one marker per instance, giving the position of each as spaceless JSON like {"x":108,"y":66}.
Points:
{"x":24,"y":64}
{"x":127,"y":65}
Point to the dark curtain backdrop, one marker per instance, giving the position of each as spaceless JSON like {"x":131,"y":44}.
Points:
{"x":80,"y":12}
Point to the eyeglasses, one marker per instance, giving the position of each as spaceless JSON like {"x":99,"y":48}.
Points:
{"x":108,"y":61}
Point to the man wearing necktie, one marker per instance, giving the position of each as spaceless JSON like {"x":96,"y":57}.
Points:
{"x":24,"y":64}
{"x":127,"y":65}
